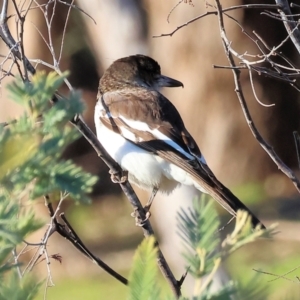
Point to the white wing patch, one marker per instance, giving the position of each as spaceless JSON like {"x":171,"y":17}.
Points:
{"x":128,"y":134}
{"x":138,"y":125}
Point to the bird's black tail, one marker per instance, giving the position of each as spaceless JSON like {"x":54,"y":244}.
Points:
{"x":205,"y":181}
{"x":222,"y":194}
{"x":232,"y":204}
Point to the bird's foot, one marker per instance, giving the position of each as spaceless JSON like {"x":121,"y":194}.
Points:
{"x":115,"y":178}
{"x":138,"y":221}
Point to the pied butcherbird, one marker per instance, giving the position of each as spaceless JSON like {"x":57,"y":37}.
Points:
{"x":143,"y":131}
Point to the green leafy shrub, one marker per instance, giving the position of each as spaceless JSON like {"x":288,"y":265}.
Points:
{"x":30,"y":167}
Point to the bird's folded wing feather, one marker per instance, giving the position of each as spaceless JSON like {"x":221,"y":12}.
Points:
{"x":152,"y":122}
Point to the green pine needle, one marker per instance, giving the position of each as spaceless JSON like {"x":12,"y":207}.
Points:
{"x":143,"y":275}
{"x":198,"y":228}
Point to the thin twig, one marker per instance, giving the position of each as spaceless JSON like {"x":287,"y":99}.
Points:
{"x":22,"y":22}
{"x":245,"y":6}
{"x":172,"y":9}
{"x":280,"y":276}
{"x":14,"y":252}
{"x":70,"y":234}
{"x":297,"y":144}
{"x":291,"y":26}
{"x":9,"y":40}
{"x":294,"y":5}
{"x":78,"y":8}
{"x":254,"y":92}
{"x":64,"y":33}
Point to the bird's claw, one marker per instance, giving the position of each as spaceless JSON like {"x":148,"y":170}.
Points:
{"x":138,"y":221}
{"x":115,"y":178}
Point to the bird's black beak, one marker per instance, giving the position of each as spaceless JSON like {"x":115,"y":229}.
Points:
{"x":164,"y":81}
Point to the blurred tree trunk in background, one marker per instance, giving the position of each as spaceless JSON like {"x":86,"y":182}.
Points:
{"x":121,"y":28}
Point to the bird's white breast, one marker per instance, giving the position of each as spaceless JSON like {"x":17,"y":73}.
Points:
{"x":145,"y":169}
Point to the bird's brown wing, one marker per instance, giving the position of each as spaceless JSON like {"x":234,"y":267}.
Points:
{"x":150,"y":121}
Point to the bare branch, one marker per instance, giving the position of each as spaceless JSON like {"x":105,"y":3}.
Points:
{"x":297,"y":144}
{"x":9,"y":40}
{"x":238,"y":89}
{"x":247,"y":6}
{"x":291,"y":26}
{"x":280,"y":276}
{"x":254,"y":92}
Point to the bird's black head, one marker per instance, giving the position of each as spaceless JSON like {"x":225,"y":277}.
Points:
{"x":135,"y":71}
